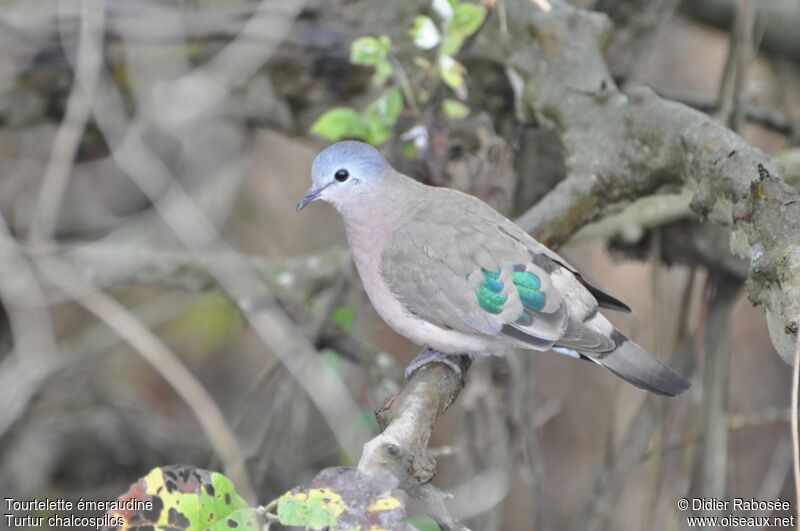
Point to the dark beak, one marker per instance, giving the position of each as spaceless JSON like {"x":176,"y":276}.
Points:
{"x":311,"y":195}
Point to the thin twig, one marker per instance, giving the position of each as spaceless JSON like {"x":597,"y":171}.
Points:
{"x":763,"y":115}
{"x":775,"y":474}
{"x":713,"y":463}
{"x":32,"y":331}
{"x":76,"y":115}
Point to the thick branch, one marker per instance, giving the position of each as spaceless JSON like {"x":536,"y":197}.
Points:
{"x":407,"y":421}
{"x":622,"y":146}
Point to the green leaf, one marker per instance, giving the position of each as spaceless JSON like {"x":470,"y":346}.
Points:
{"x":425,"y":33}
{"x":387,"y":108}
{"x":381,"y":115}
{"x":373,"y":51}
{"x":314,"y":508}
{"x":451,"y":44}
{"x":382,"y":72}
{"x":467,"y":18}
{"x":340,"y":122}
{"x":344,"y":498}
{"x":452,"y":73}
{"x":185,"y":498}
{"x":344,"y":317}
{"x":369,"y":50}
{"x":423,"y":523}
{"x":409,"y":150}
{"x":455,"y":109}
{"x":243,"y":519}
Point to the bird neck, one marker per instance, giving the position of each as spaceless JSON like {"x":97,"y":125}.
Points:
{"x":375,"y":218}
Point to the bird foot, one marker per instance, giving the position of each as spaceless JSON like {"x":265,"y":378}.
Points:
{"x":459,"y":363}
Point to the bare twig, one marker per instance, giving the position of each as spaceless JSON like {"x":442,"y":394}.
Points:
{"x":775,"y":474}
{"x":713,"y":463}
{"x":68,"y":137}
{"x":765,"y":116}
{"x":532,"y":417}
{"x":740,"y":53}
{"x":757,"y":419}
{"x":31,"y":327}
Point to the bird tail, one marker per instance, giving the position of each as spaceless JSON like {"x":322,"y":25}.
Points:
{"x":634,"y":364}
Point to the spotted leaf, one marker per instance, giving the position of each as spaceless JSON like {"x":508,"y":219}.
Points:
{"x":184,"y":498}
{"x":344,"y":498}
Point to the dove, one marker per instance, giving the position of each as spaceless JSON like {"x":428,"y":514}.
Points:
{"x":450,"y":273}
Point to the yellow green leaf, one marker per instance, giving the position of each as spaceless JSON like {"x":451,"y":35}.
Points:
{"x":452,"y":73}
{"x":344,"y":498}
{"x":338,"y":123}
{"x":184,"y":498}
{"x":382,"y":72}
{"x":467,"y":18}
{"x":381,"y":115}
{"x":313,"y":508}
{"x":455,"y":109}
{"x":374,"y":52}
{"x":369,"y":50}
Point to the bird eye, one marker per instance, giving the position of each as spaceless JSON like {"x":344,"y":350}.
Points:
{"x":341,"y":175}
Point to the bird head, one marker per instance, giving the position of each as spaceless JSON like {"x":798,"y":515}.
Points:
{"x":344,"y":174}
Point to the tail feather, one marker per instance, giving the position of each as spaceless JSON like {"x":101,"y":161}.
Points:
{"x":634,"y":364}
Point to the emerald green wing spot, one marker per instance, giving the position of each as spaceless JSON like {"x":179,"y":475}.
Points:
{"x":491,"y":281}
{"x":489,"y":300}
{"x":528,"y":285}
{"x":526,"y":279}
{"x":531,"y":298}
{"x":489,"y":292}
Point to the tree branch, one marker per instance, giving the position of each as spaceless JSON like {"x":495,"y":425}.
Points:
{"x":407,"y":421}
{"x":622,"y":146}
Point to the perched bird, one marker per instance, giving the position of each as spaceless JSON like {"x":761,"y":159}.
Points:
{"x":448,"y":272}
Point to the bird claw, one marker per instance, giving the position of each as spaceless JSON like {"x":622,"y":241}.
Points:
{"x":457,"y":362}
